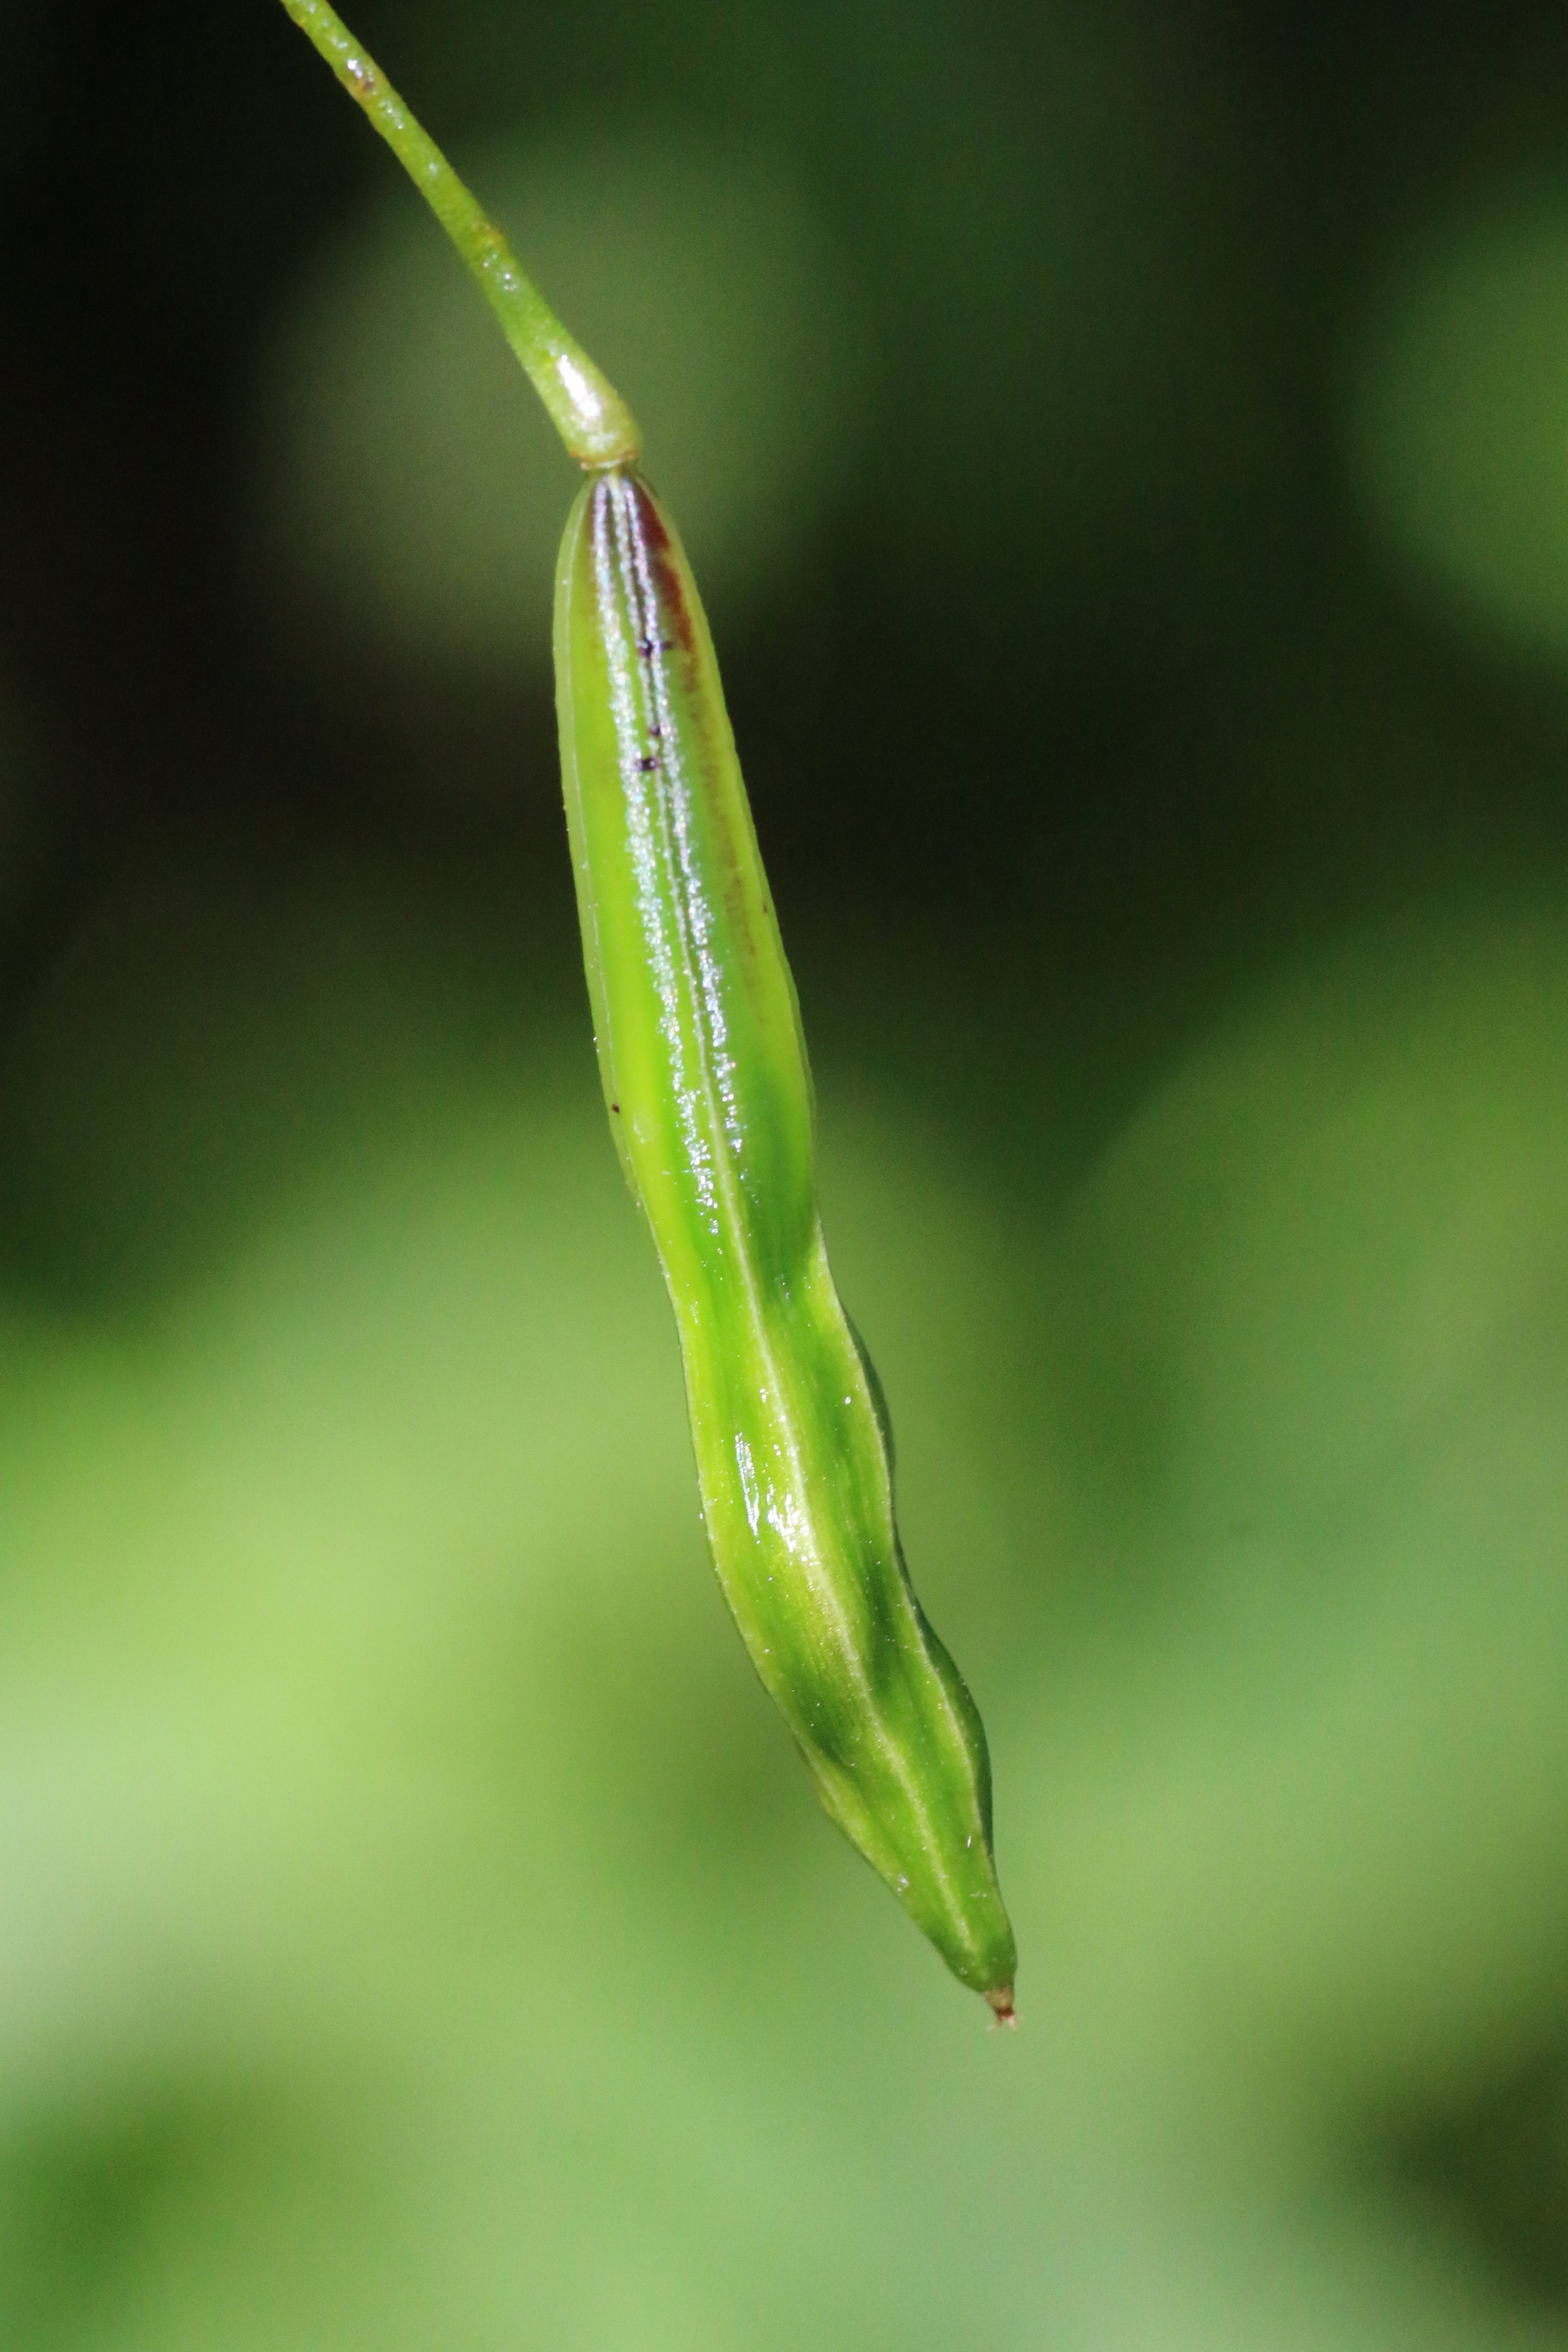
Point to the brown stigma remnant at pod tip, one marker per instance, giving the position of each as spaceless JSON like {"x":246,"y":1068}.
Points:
{"x":1001,"y":2002}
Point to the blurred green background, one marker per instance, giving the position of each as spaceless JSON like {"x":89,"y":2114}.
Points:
{"x":1125,"y":447}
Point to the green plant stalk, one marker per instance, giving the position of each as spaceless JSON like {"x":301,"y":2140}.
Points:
{"x":590,"y":415}
{"x":706,"y":1079}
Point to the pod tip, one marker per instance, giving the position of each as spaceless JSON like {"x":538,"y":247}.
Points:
{"x":1001,"y":2000}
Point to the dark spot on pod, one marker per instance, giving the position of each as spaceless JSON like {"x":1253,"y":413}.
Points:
{"x":617,"y":1108}
{"x":649,"y":765}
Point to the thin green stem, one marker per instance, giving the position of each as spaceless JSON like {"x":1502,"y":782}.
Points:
{"x":590,"y":415}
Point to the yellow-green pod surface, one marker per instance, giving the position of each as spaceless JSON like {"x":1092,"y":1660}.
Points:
{"x":709,"y":1096}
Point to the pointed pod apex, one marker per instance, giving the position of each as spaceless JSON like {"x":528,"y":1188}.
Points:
{"x":1001,"y":2003}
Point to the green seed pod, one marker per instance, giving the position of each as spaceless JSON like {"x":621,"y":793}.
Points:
{"x":709,"y":1096}
{"x":705,"y":1075}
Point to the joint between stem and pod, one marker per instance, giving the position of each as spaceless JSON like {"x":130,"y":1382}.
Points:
{"x":592,"y":420}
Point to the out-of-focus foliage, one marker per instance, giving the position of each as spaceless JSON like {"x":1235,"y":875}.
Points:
{"x":1022,"y":256}
{"x":414,"y":1927}
{"x":414,"y":1918}
{"x":1459,"y":393}
{"x":403,"y":479}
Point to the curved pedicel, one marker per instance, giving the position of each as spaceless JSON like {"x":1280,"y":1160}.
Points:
{"x":584,"y":407}
{"x":709,"y":1092}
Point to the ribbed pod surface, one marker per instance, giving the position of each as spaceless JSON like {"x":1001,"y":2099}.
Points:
{"x":709,"y":1091}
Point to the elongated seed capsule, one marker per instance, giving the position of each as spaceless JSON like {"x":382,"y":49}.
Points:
{"x":709,"y":1096}
{"x":705,"y":1074}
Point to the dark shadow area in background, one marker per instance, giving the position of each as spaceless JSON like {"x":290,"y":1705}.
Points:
{"x":1073,"y":787}
{"x":1494,"y":2166}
